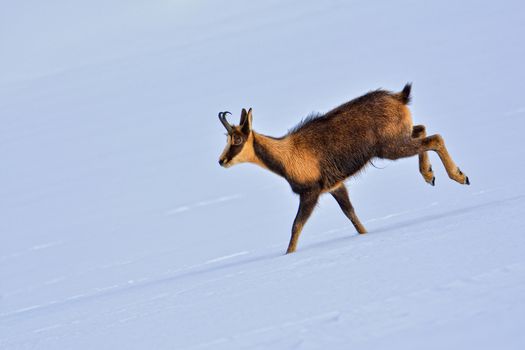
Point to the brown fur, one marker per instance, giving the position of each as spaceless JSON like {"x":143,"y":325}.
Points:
{"x":300,"y":163}
{"x":320,"y":153}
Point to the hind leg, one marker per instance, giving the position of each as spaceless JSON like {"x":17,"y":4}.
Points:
{"x":411,"y":147}
{"x":425,"y":168}
{"x":437,"y":144}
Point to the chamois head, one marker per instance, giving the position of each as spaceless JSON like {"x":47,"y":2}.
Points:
{"x":239,"y":146}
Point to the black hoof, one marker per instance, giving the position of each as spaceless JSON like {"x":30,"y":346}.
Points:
{"x":467,"y":181}
{"x":433,"y":181}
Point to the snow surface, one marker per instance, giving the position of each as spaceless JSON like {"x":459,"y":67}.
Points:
{"x":120,"y":231}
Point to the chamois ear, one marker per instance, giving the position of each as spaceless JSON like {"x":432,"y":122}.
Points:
{"x":246,"y":121}
{"x":243,"y":116}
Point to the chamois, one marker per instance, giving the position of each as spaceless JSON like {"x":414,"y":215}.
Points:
{"x":320,"y":153}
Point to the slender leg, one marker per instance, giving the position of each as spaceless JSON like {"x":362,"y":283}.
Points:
{"x":306,"y":207}
{"x":413,"y":146}
{"x":425,"y":168}
{"x":437,"y":144}
{"x":341,"y":196}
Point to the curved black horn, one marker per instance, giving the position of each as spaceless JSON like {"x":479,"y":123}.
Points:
{"x":222,"y":118}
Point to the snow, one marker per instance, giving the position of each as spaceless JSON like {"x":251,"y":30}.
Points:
{"x":120,"y":230}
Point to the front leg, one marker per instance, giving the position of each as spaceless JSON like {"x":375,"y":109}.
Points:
{"x":306,"y":207}
{"x":341,"y":196}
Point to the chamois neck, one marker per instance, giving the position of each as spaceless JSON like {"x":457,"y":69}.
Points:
{"x":270,"y":152}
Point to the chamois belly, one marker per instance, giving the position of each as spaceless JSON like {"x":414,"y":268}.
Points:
{"x":334,"y":172}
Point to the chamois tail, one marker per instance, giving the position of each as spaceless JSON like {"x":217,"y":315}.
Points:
{"x":404,"y":95}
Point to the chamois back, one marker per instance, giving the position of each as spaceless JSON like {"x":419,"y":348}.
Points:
{"x":347,"y":137}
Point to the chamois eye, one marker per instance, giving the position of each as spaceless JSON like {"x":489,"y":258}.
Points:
{"x":237,"y":140}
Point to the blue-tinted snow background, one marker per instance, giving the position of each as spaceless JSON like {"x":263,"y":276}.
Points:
{"x":118,"y":229}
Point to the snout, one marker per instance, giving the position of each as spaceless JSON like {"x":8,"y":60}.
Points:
{"x":223,"y":162}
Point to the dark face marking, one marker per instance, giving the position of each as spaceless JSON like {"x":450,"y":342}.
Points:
{"x":237,"y":139}
{"x":234,"y":146}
